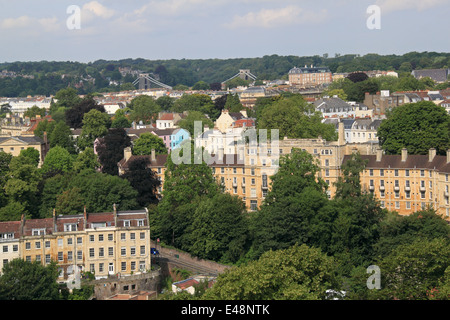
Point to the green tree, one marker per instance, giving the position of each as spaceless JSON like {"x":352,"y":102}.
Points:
{"x":23,"y":280}
{"x":296,"y":119}
{"x":295,"y":273}
{"x":185,"y":185}
{"x":62,"y":136}
{"x":95,"y":125}
{"x":34,"y":111}
{"x":416,"y":127}
{"x":144,"y":108}
{"x":233,"y":103}
{"x":31,"y":153}
{"x":411,"y":271}
{"x":295,"y":199}
{"x":57,"y":159}
{"x":75,"y":114}
{"x":65,"y":98}
{"x":219,"y":229}
{"x":86,"y":160}
{"x":188,"y":123}
{"x":200,"y":85}
{"x":147,"y":142}
{"x":69,"y":202}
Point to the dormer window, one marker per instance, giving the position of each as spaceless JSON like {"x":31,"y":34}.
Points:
{"x":70,"y":227}
{"x":126,"y":223}
{"x":38,"y":232}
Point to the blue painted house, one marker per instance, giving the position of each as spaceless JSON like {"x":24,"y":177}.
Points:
{"x":177,"y":137}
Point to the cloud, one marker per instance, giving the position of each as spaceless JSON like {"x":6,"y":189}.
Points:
{"x":92,"y":10}
{"x":30,"y":23}
{"x":272,"y":18}
{"x":399,"y":5}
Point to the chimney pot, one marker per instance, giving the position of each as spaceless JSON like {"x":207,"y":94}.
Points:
{"x":379,"y":154}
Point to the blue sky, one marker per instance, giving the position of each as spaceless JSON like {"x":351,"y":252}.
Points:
{"x":34,"y":30}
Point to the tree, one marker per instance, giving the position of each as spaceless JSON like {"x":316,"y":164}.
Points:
{"x":144,"y":180}
{"x":294,"y":118}
{"x":294,"y":200}
{"x":397,"y":230}
{"x":75,"y":114}
{"x":200,"y":85}
{"x":188,"y":123}
{"x":185,"y":185}
{"x":144,"y":108}
{"x":56,"y":159}
{"x":413,"y":270}
{"x":62,"y":136}
{"x":31,"y":153}
{"x":65,"y":98}
{"x":295,"y":273}
{"x":23,"y":280}
{"x":69,"y":202}
{"x":95,"y":125}
{"x":110,"y":150}
{"x":417,"y":127}
{"x":165,"y":102}
{"x":121,"y":122}
{"x":147,"y":142}
{"x":357,"y":77}
{"x":219,"y":229}
{"x":34,"y":111}
{"x":233,"y":103}
{"x":86,"y":160}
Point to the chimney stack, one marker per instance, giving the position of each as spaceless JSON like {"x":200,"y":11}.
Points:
{"x":85,"y":218}
{"x":431,"y":154}
{"x":153,"y":155}
{"x":341,"y":134}
{"x":379,"y":154}
{"x":404,"y":154}
{"x":127,"y":153}
{"x":448,"y":155}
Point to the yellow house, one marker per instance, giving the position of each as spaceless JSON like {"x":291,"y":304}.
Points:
{"x":14,"y":145}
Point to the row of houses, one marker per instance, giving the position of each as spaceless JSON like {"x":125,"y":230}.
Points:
{"x":105,"y":244}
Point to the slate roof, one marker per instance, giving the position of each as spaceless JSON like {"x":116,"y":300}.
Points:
{"x":439,"y":75}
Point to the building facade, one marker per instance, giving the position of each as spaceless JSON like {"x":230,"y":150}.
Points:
{"x":310,"y":76}
{"x":105,"y":244}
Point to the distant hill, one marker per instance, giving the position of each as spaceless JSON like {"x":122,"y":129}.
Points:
{"x":51,"y":76}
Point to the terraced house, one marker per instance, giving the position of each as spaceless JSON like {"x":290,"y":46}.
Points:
{"x":105,"y":244}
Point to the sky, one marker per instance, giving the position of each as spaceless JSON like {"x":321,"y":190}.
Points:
{"x":85,"y":31}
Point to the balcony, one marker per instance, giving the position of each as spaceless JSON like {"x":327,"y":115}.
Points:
{"x":422,"y":188}
{"x":371,"y":188}
{"x":382,"y":188}
{"x":407,"y":188}
{"x":397,"y":188}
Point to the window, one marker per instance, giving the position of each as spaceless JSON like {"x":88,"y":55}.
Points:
{"x":382,"y":172}
{"x":69,"y":256}
{"x":382,"y":194}
{"x":100,"y":237}
{"x":123,"y":251}
{"x":126,"y":223}
{"x":60,"y":242}
{"x":396,"y":172}
{"x":133,"y":251}
{"x":123,"y":236}
{"x":132,"y":236}
{"x":407,"y":173}
{"x":38,"y":232}
{"x":133,"y":265}
{"x":37,"y":244}
{"x":422,"y":195}
{"x":397,"y":194}
{"x":92,"y":267}
{"x":28,"y":245}
{"x":91,"y":252}
{"x":252,"y":172}
{"x":142,"y":235}
{"x":408,"y":194}
{"x":142,"y":250}
{"x":371,"y":172}
{"x":79,"y":240}
{"x":15,"y":247}
{"x":422,"y":173}
{"x":382,"y":204}
{"x":397,"y":204}
{"x":60,"y":256}
{"x":80,"y":255}
{"x":142,"y":265}
{"x":100,"y":267}
{"x":70,"y":227}
{"x":111,"y":267}
{"x":101,"y":252}
{"x":408,"y":205}
{"x":140,"y":222}
{"x":110,"y":251}
{"x":69,"y":241}
{"x":110,"y":237}
{"x":253,"y":205}
{"x":253,"y":192}
{"x":396,"y":183}
{"x":327,"y":172}
{"x":222,"y":170}
{"x":91,"y":238}
{"x":5,"y":249}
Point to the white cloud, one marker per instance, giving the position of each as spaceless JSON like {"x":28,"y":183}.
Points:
{"x":399,"y":5}
{"x":272,"y":18}
{"x":98,"y":9}
{"x":31,"y":24}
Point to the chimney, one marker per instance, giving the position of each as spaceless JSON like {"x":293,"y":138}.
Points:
{"x":220,"y":155}
{"x":85,"y":218}
{"x":22,"y":223}
{"x":379,"y":154}
{"x":127,"y":153}
{"x":431,"y":154}
{"x":341,"y":134}
{"x":448,"y":155}
{"x":153,"y":155}
{"x":115,"y":214}
{"x":54,"y":220}
{"x":404,"y":154}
